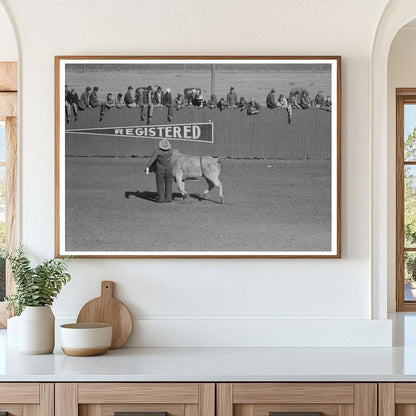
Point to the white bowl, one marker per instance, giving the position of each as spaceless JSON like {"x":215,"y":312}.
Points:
{"x":84,"y":340}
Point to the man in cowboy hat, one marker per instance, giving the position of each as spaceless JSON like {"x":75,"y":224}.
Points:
{"x":179,"y":102}
{"x":161,"y":157}
{"x":212,"y":102}
{"x":253,"y":107}
{"x":168,"y":102}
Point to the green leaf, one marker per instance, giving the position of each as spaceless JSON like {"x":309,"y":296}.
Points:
{"x":35,"y":286}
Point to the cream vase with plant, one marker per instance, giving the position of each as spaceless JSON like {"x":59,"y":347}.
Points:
{"x":36,"y":289}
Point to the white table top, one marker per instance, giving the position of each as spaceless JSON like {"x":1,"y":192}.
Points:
{"x":215,"y":364}
{"x":221,"y":364}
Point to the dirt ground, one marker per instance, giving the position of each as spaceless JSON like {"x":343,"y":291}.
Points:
{"x":246,"y":83}
{"x":269,"y":205}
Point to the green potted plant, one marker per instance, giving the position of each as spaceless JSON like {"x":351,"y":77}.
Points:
{"x":36,"y":289}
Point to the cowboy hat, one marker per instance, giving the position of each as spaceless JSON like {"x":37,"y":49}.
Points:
{"x":165,"y":144}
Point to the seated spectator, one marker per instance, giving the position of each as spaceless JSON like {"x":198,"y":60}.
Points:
{"x":94,"y":98}
{"x":195,"y":94}
{"x":109,"y":101}
{"x":84,"y":101}
{"x":212,"y":102}
{"x":221,"y":104}
{"x":158,"y":97}
{"x":179,"y":102}
{"x":242,"y":104}
{"x":199,"y":101}
{"x":108,"y":104}
{"x":138,"y":96}
{"x":282,"y":103}
{"x":294,"y":100}
{"x":232,"y":98}
{"x":305,"y":101}
{"x":253,"y":107}
{"x":271,"y":99}
{"x":168,"y":102}
{"x":128,"y":98}
{"x":319,"y":99}
{"x":191,"y":99}
{"x":119,"y":100}
{"x":328,"y":103}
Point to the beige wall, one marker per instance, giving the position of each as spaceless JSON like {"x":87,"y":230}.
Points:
{"x":200,"y":302}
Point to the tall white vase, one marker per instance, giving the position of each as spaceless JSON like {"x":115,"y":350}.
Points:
{"x":37,"y":330}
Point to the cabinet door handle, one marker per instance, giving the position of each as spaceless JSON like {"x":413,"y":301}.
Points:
{"x":295,"y":413}
{"x":139,"y":414}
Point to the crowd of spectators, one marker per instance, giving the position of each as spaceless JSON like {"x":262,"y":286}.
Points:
{"x":146,"y":99}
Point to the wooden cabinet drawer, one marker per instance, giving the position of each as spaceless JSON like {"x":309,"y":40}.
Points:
{"x":24,"y":399}
{"x":331,"y":399}
{"x":397,"y":399}
{"x":105,"y":399}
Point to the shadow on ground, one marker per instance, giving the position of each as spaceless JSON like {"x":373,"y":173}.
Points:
{"x":152,"y":196}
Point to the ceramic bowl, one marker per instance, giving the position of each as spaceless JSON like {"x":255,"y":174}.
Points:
{"x":83,"y":340}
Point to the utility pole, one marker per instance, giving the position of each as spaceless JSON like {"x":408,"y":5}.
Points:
{"x":212,"y":79}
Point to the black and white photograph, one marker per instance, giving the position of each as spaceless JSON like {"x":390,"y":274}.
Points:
{"x":198,"y":157}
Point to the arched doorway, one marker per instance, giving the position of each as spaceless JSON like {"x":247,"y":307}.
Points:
{"x":396,"y":15}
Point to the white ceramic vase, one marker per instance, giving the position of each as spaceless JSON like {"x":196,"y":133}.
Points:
{"x":37,"y":330}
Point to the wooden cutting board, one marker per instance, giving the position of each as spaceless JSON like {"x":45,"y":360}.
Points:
{"x":107,"y":309}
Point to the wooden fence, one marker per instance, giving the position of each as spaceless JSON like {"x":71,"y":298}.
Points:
{"x":236,"y":134}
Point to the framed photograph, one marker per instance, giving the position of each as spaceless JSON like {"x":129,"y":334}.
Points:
{"x":198,"y":156}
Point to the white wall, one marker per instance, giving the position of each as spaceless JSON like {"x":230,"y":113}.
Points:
{"x":8,"y":46}
{"x":401,"y":74}
{"x":212,"y":302}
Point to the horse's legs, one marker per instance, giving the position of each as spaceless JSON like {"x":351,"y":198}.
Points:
{"x":184,"y":193}
{"x":212,"y":183}
{"x":181,"y":186}
{"x":211,"y":186}
{"x":220,"y":189}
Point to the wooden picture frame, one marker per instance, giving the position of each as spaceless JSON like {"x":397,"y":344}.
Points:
{"x":280,"y":165}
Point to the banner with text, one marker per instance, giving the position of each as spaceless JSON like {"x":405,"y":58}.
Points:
{"x":193,"y":132}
